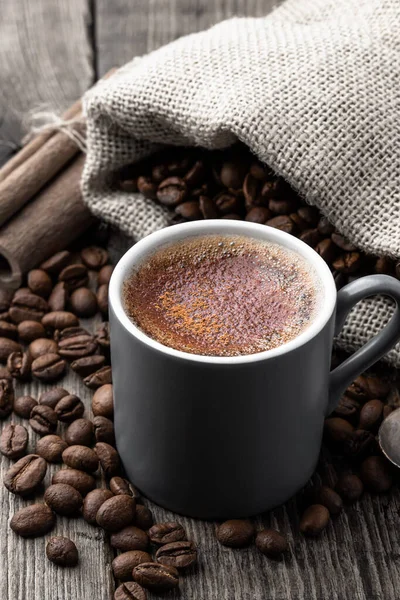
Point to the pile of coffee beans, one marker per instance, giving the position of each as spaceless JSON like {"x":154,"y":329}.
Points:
{"x":41,"y":338}
{"x":233,"y":184}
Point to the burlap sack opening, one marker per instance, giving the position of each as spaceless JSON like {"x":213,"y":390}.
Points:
{"x":312,"y":89}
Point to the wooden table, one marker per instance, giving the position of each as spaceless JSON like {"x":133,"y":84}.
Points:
{"x":50,"y":52}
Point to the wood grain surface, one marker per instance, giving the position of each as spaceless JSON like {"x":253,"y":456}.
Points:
{"x":49,"y":52}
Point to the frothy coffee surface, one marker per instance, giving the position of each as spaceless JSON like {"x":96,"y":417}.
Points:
{"x":222,"y":295}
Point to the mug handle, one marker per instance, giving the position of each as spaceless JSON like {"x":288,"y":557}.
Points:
{"x":348,"y":296}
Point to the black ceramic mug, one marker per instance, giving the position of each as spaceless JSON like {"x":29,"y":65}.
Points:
{"x":219,"y":437}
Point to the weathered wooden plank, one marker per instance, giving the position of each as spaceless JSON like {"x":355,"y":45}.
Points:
{"x":45,"y":58}
{"x":126,"y":29}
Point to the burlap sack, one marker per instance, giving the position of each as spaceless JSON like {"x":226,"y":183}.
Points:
{"x":313,"y":89}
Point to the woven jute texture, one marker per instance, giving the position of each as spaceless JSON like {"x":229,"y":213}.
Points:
{"x":313,"y":89}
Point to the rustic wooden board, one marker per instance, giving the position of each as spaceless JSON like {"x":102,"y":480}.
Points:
{"x":126,"y":29}
{"x":46,"y":56}
{"x":45,"y":59}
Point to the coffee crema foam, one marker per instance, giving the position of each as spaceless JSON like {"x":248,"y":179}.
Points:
{"x":222,"y":295}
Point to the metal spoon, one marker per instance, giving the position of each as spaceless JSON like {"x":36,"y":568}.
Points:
{"x":389,"y":437}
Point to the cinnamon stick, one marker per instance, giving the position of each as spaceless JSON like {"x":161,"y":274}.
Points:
{"x":37,"y":142}
{"x":46,"y":225}
{"x":37,"y":163}
{"x":27,"y":179}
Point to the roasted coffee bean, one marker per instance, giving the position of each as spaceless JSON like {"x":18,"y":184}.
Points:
{"x":7,"y":347}
{"x":109,"y":459}
{"x":208,"y":208}
{"x":13,"y":441}
{"x":196,"y":174}
{"x":376,"y":474}
{"x":189,"y":210}
{"x":5,"y":299}
{"x":347,"y":263}
{"x":105,"y":274}
{"x":83,"y":302}
{"x":124,"y":564}
{"x":260,"y":171}
{"x":172,"y":191}
{"x":25,"y":475}
{"x":326,"y":249}
{"x":235,"y":533}
{"x":347,"y":409}
{"x":51,"y":447}
{"x":371,"y":415}
{"x":166,"y":533}
{"x":384,"y":266}
{"x":329,"y":498}
{"x":342,"y":243}
{"x":101,"y":377}
{"x":39,"y":282}
{"x":349,"y":487}
{"x":359,"y":444}
{"x":102,"y":402}
{"x":43,"y":419}
{"x":81,"y":457}
{"x":143,"y":517}
{"x":147,"y":187}
{"x":27,"y":307}
{"x":128,"y":185}
{"x":42,"y":346}
{"x":92,"y":503}
{"x":48,"y":367}
{"x":59,"y":297}
{"x":119,"y":485}
{"x":104,"y":430}
{"x":232,"y":174}
{"x":74,"y":276}
{"x":33,"y":520}
{"x":28,"y":331}
{"x":52,"y":397}
{"x":231,"y":216}
{"x":282,"y":206}
{"x":130,"y":590}
{"x":337,"y":430}
{"x":19,"y":365}
{"x":258,"y":214}
{"x":324,"y":227}
{"x":228,"y":203}
{"x":81,"y":481}
{"x":23,"y":406}
{"x":130,"y":538}
{"x":57,"y":262}
{"x":116,"y":513}
{"x":94,"y":257}
{"x":63,"y":499}
{"x":309,"y":214}
{"x":271,"y":543}
{"x":300,"y":224}
{"x":6,"y":397}
{"x":8,"y":330}
{"x":102,"y":299}
{"x":103,"y":337}
{"x":311,"y":237}
{"x":368,"y":388}
{"x":283,"y":222}
{"x":77,"y":346}
{"x":69,"y":408}
{"x":314,"y":520}
{"x":59,"y":319}
{"x":62,"y":552}
{"x":156,"y":577}
{"x":88,"y":364}
{"x":80,"y":432}
{"x":177,"y":554}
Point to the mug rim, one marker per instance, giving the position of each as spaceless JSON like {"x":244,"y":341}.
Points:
{"x":175,"y":233}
